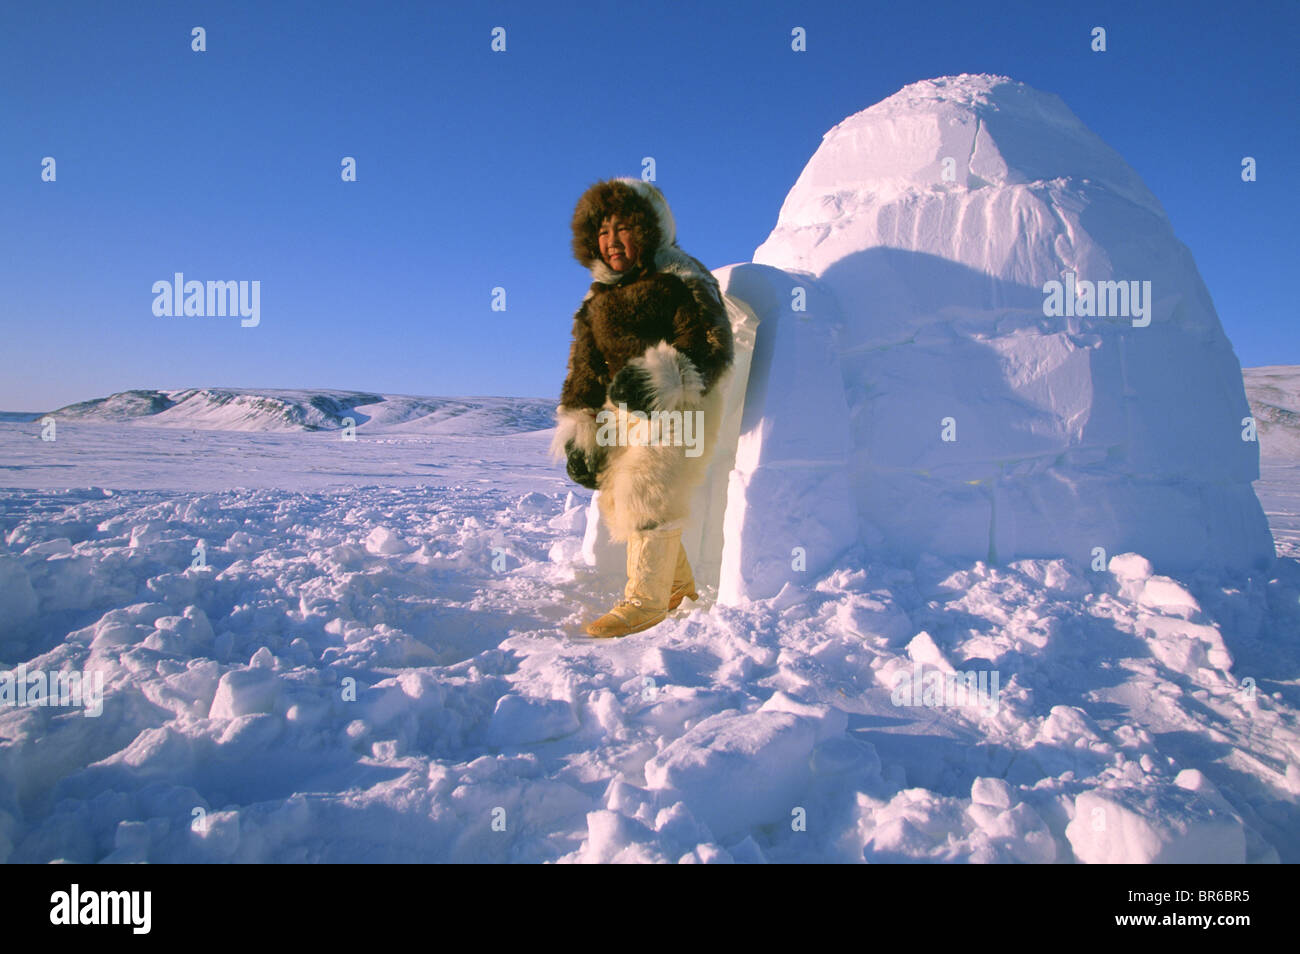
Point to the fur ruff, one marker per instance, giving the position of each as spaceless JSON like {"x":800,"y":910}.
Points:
{"x":672,"y":379}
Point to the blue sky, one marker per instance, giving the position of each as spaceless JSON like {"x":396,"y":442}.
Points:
{"x":225,"y":165}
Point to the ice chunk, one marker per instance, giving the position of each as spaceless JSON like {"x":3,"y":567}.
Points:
{"x":1182,"y":646}
{"x":1130,"y":567}
{"x":381,"y":540}
{"x":519,"y":720}
{"x":1169,"y":597}
{"x":830,"y":721}
{"x":533,"y":502}
{"x":736,"y":771}
{"x":49,"y":548}
{"x":612,"y":837}
{"x":994,"y":792}
{"x":244,"y":691}
{"x":924,"y":651}
{"x":1164,"y":824}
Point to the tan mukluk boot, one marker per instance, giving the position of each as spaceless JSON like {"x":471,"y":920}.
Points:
{"x":651,"y":560}
{"x":683,"y":579}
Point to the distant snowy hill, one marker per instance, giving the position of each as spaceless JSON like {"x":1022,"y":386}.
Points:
{"x":266,"y":409}
{"x":1274,"y":395}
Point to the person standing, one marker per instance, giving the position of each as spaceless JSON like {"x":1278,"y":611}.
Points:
{"x":652,"y":335}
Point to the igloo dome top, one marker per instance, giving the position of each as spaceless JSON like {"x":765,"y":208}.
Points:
{"x":995,"y":130}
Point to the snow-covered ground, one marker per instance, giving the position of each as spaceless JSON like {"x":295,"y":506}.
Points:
{"x":1136,"y":717}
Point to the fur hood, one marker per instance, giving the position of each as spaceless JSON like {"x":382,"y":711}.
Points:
{"x":645,"y":205}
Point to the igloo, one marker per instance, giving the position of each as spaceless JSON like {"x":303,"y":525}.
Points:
{"x":906,"y":379}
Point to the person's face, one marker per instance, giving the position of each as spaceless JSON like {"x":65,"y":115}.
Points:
{"x":618,"y":243}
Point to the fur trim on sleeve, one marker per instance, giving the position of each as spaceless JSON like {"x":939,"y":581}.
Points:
{"x":672,"y":380}
{"x":573,"y":424}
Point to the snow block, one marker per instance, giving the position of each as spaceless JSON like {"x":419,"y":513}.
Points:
{"x":519,"y":720}
{"x":789,"y":505}
{"x":615,"y":838}
{"x":830,"y":721}
{"x":1163,"y":825}
{"x":737,"y":771}
{"x":1183,"y":647}
{"x":244,"y":692}
{"x":382,"y":541}
{"x":993,"y":792}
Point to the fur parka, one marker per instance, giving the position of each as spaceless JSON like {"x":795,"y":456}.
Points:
{"x":656,"y":335}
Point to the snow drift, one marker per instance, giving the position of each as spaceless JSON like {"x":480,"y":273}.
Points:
{"x":912,"y":389}
{"x":1140,"y":718}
